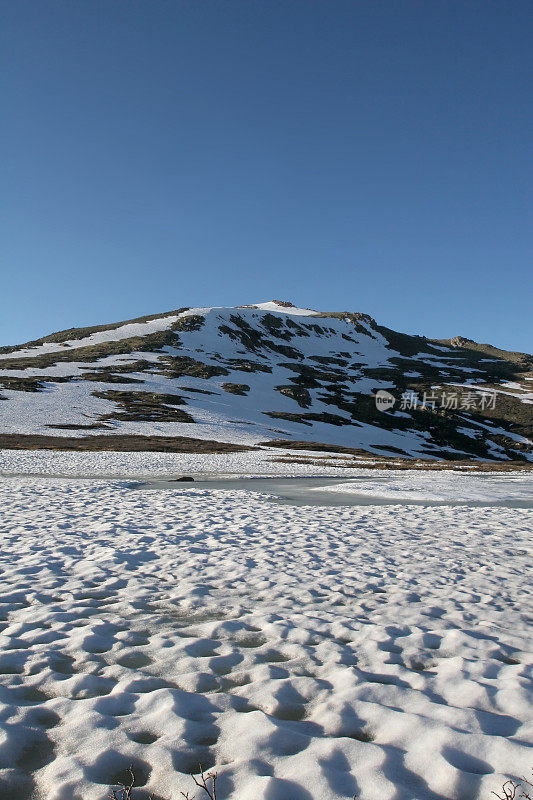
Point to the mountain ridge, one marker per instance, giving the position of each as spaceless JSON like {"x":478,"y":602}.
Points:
{"x":266,"y":371}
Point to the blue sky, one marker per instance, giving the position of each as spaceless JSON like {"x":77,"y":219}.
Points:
{"x":345,"y":155}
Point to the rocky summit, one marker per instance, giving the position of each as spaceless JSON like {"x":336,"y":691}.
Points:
{"x":215,"y":379}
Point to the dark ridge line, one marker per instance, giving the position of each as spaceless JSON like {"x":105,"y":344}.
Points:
{"x":119,"y":443}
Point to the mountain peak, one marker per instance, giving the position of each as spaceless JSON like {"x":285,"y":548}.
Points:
{"x":281,"y":306}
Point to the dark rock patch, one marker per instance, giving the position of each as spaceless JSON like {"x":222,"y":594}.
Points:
{"x":236,"y":388}
{"x":33,"y":384}
{"x":194,"y":322}
{"x":108,"y":377}
{"x":245,"y":365}
{"x":308,"y":419}
{"x":145,"y":406}
{"x":119,"y":443}
{"x":298,"y":393}
{"x":196,"y":391}
{"x":176,"y":366}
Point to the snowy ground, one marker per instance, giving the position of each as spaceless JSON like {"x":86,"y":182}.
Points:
{"x":306,"y":652}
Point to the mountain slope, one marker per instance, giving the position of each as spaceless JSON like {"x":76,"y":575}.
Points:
{"x":272,"y":371}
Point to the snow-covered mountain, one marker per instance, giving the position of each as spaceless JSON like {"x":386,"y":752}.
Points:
{"x":268,"y":372}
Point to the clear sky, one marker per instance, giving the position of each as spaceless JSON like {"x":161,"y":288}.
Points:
{"x":369,"y":156}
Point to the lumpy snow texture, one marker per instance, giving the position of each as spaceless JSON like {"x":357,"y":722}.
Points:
{"x":305,"y":652}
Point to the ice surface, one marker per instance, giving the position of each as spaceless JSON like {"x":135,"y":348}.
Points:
{"x":441,"y":487}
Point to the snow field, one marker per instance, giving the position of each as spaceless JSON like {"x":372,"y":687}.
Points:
{"x":305,"y":652}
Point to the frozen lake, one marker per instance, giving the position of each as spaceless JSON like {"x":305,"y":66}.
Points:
{"x":436,"y":489}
